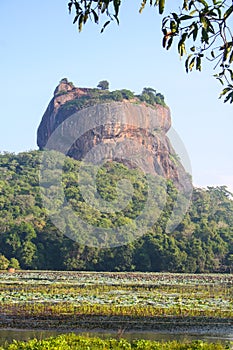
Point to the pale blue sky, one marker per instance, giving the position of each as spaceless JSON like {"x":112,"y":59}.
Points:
{"x":39,"y":46}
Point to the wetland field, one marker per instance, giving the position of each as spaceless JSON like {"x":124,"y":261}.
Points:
{"x":118,"y":303}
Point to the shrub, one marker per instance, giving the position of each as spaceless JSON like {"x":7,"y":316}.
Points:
{"x":127,"y":94}
{"x":14,"y":263}
{"x":4,"y":262}
{"x":116,"y":95}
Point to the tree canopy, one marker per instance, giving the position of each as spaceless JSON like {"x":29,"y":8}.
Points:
{"x":199,"y":29}
{"x":203,"y":241}
{"x":103,"y":85}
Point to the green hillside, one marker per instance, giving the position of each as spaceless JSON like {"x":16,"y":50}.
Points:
{"x":203,"y":242}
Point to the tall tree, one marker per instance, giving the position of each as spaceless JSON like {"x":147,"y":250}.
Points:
{"x":103,"y":85}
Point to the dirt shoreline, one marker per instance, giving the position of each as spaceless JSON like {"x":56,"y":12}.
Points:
{"x":198,"y":325}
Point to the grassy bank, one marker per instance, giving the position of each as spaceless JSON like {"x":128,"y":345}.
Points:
{"x":75,"y":342}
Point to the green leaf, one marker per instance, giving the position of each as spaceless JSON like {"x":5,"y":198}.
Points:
{"x":80,"y":22}
{"x":70,"y":4}
{"x":105,"y":6}
{"x":228,"y":12}
{"x":204,"y":22}
{"x":198,"y":63}
{"x":231,"y":57}
{"x":164,"y":21}
{"x":185,"y":17}
{"x":221,"y":81}
{"x":191,"y":64}
{"x":227,"y":49}
{"x":225,"y":91}
{"x":173,"y":26}
{"x":164,"y":42}
{"x":195,"y":31}
{"x":175,"y":16}
{"x":229,"y":96}
{"x":104,"y":26}
{"x":219,"y":12}
{"x":212,"y":13}
{"x":169,"y":43}
{"x":96,"y":17}
{"x":231,"y":73}
{"x":211,"y":28}
{"x":203,"y":2}
{"x":77,"y":7}
{"x":181,"y":48}
{"x":187,"y":63}
{"x":204,"y":36}
{"x":116,"y":4}
{"x":117,"y":19}
{"x":161,"y":6}
{"x":192,"y":12}
{"x":191,"y":3}
{"x":184,"y":36}
{"x":181,"y":44}
{"x":75,"y":19}
{"x":219,"y":78}
{"x":185,"y":5}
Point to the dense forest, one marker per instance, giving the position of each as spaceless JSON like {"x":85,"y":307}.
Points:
{"x":202,"y":242}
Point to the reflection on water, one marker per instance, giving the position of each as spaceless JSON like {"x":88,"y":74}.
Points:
{"x":9,"y":335}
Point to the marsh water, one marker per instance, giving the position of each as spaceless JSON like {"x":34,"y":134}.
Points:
{"x":7,"y":335}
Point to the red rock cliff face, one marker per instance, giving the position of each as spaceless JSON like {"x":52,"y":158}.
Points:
{"x":127,"y":131}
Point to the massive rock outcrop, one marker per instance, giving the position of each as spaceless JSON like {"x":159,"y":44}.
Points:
{"x":129,"y":131}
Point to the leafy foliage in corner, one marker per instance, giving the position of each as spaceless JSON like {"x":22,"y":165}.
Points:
{"x":203,"y":29}
{"x":91,"y":10}
{"x":203,"y":242}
